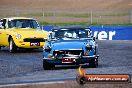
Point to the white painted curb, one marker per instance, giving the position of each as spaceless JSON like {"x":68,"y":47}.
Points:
{"x":37,"y":83}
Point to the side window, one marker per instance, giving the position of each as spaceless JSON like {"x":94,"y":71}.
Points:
{"x":89,"y":33}
{"x":3,"y":23}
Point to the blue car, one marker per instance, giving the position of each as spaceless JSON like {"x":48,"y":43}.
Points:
{"x":72,"y":45}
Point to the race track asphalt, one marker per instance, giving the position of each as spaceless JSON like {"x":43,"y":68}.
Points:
{"x":26,"y":66}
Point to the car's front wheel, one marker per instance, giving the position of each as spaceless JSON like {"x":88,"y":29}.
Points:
{"x":47,"y":66}
{"x":94,"y":63}
{"x":12,"y":46}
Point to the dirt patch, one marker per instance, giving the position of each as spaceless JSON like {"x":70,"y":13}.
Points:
{"x":67,"y":4}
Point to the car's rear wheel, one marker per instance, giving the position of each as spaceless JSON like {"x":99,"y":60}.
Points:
{"x":12,"y":46}
{"x":47,"y":66}
{"x":94,"y":63}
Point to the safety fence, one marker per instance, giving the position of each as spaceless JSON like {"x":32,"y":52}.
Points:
{"x":71,"y":16}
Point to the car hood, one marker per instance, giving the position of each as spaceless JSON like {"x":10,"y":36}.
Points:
{"x":30,"y":33}
{"x":68,"y":44}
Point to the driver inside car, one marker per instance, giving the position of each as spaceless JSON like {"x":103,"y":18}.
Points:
{"x":71,"y":35}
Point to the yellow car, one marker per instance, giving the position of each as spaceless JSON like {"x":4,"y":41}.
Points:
{"x":21,"y":32}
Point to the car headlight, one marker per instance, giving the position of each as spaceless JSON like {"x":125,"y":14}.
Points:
{"x":18,"y":36}
{"x":47,"y":49}
{"x":89,"y":47}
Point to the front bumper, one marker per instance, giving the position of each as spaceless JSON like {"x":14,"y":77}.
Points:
{"x":83,"y":60}
{"x":22,"y":44}
{"x":27,"y":45}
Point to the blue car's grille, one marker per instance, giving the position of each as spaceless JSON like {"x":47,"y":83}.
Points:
{"x":64,"y":52}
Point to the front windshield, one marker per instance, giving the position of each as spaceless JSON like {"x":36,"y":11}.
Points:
{"x":23,"y":23}
{"x":71,"y":33}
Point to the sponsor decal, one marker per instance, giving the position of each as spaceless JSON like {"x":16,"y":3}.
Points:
{"x":83,"y":78}
{"x":103,"y":35}
{"x":106,"y":32}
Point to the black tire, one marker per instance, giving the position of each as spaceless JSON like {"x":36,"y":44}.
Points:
{"x":12,"y":46}
{"x":47,"y":66}
{"x":94,"y":63}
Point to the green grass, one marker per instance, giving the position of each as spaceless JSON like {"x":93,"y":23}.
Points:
{"x":76,"y":15}
{"x":82,"y":23}
{"x":51,"y":14}
{"x":64,"y":24}
{"x":99,"y":18}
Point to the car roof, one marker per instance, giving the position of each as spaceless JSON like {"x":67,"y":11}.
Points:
{"x":70,"y":27}
{"x":11,"y":18}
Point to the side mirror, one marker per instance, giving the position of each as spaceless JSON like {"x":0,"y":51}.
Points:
{"x":95,"y":38}
{"x":50,"y":36}
{"x":47,"y":49}
{"x":1,"y":25}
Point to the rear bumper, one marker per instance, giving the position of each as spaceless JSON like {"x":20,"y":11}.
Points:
{"x":82,"y":60}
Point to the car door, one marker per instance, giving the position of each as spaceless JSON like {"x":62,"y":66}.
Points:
{"x":3,"y":33}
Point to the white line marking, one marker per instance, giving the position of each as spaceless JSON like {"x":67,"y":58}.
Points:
{"x":37,"y":83}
